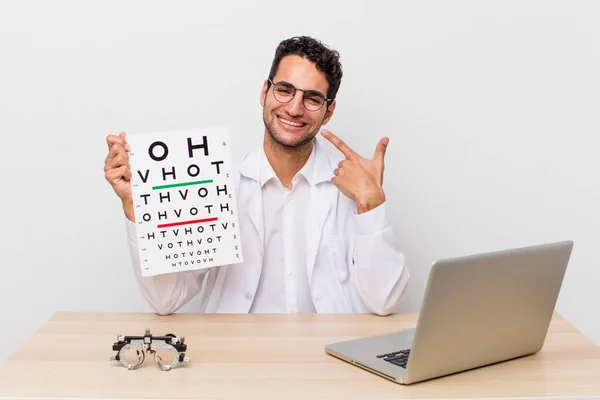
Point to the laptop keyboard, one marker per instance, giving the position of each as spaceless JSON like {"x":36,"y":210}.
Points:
{"x":399,"y":358}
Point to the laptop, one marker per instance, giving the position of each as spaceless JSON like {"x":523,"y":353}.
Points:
{"x":477,"y":310}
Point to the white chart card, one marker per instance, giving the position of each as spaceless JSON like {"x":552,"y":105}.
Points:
{"x":184,"y":201}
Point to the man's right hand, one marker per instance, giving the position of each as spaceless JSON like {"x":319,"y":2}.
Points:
{"x":117,"y":171}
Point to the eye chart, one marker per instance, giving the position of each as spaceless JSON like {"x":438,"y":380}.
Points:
{"x":183,"y":196}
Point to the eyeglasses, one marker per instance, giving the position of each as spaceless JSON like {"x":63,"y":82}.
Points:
{"x":284,"y":93}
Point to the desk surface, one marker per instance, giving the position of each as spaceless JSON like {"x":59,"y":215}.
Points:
{"x":271,"y":357}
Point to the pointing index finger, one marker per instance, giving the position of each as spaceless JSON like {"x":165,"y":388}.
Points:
{"x":339,"y":144}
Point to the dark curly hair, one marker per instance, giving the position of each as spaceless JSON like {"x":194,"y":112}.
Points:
{"x":326,"y":59}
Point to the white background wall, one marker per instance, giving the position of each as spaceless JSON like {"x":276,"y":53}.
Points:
{"x":491,"y":107}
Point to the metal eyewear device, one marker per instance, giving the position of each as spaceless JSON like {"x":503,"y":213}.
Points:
{"x":169,"y":351}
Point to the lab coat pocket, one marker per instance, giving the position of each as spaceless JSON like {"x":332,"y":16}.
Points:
{"x":337,"y":254}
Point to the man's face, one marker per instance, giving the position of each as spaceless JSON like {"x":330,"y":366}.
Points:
{"x":291,"y":124}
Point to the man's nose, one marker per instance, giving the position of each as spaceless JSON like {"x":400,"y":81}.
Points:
{"x":296,"y":107}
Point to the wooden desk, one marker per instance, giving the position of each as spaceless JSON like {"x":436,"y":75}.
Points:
{"x":271,"y":357}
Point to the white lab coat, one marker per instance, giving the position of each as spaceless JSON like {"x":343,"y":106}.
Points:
{"x":353,"y":262}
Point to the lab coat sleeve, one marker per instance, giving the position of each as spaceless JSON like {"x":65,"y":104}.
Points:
{"x":377,"y":262}
{"x":166,"y":293}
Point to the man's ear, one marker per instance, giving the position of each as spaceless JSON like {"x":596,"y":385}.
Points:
{"x":329,"y":113}
{"x":263,"y":93}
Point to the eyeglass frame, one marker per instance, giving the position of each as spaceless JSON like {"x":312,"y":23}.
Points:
{"x":273,"y":84}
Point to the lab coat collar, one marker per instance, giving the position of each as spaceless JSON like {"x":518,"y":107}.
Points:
{"x":316,"y":173}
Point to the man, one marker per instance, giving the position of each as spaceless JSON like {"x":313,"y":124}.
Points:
{"x":315,"y":234}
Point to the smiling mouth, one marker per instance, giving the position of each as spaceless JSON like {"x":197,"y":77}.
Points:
{"x":291,"y":123}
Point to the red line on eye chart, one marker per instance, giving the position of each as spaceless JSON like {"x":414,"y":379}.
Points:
{"x":196,"y":221}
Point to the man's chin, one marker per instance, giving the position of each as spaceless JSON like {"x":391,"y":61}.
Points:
{"x":292,"y":143}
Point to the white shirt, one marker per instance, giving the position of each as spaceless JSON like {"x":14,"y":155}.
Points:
{"x":283,"y":286}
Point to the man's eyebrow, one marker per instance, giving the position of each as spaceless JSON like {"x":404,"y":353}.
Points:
{"x":314,"y":91}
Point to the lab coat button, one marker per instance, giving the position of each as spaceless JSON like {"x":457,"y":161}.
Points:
{"x":248,"y":296}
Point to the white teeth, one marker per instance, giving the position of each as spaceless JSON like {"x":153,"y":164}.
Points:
{"x":285,"y":121}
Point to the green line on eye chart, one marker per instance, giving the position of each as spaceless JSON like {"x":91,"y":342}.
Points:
{"x":182,"y":184}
